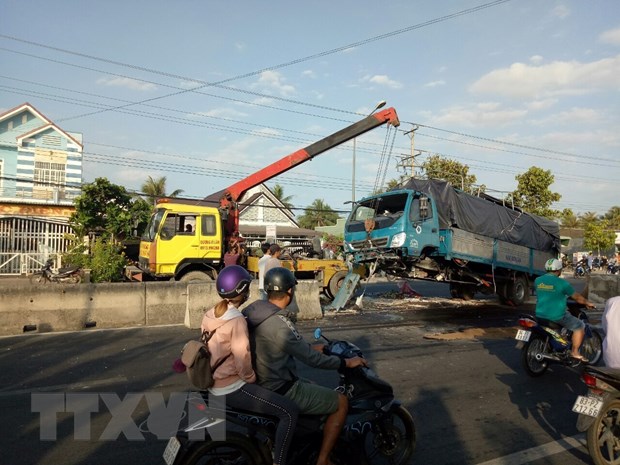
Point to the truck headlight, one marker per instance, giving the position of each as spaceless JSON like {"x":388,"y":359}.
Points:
{"x":398,"y":240}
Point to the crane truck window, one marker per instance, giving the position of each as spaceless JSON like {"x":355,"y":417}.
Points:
{"x":208,"y":225}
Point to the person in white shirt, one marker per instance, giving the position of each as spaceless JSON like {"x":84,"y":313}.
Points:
{"x":611,"y":326}
{"x":261,"y":269}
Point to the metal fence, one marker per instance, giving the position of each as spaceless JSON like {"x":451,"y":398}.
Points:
{"x":26,"y":243}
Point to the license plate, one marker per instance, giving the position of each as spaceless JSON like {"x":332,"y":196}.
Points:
{"x":590,"y":406}
{"x":172,"y":449}
{"x":523,"y":335}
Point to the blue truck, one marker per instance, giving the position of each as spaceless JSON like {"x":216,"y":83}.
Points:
{"x":427,"y":229}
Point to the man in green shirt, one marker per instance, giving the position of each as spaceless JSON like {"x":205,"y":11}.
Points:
{"x":551,"y":294}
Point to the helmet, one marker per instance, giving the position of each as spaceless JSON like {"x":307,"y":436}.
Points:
{"x":279,"y":279}
{"x":553,"y":264}
{"x":233,"y":281}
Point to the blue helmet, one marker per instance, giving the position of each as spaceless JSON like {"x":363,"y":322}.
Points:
{"x":233,"y":281}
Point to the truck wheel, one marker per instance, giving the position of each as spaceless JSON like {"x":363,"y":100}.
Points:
{"x":335,"y":283}
{"x":518,"y":290}
{"x":196,"y":276}
{"x":462,"y":291}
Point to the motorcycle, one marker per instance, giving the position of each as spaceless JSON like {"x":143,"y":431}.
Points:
{"x":378,"y":428}
{"x":612,"y":268}
{"x":599,"y":414}
{"x":543,"y":342}
{"x":581,"y":270}
{"x":69,"y":274}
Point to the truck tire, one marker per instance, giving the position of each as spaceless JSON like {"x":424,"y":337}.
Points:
{"x":462,"y":291}
{"x":335,"y":282}
{"x":196,"y":276}
{"x":517,"y":291}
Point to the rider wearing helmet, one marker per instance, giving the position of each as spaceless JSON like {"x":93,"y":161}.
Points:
{"x":234,"y":377}
{"x":551,"y":294}
{"x":275,"y":346}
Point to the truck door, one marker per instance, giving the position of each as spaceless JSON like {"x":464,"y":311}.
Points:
{"x":424,"y":231}
{"x":210,"y":246}
{"x":178,"y":240}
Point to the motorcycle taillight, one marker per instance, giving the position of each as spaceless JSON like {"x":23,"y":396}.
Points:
{"x":589,"y":380}
{"x":526,"y":323}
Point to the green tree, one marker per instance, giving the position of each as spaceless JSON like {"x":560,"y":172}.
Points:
{"x":569,"y":219}
{"x":533,"y":194}
{"x":456,"y":173}
{"x":588,"y":217}
{"x":156,"y":188}
{"x":318,"y":214}
{"x":598,"y":236}
{"x":613,"y":217}
{"x":278,"y":192}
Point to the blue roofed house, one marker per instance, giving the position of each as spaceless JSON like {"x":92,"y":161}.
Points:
{"x":40,"y":176}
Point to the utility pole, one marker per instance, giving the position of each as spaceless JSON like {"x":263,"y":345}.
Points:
{"x":413,"y":151}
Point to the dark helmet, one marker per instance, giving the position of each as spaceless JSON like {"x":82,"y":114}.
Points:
{"x":279,"y":279}
{"x":233,"y":281}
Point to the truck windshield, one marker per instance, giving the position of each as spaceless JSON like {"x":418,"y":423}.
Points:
{"x":153,"y":226}
{"x":384,"y":210}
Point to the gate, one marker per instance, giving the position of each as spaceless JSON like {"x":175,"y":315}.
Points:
{"x":26,"y":243}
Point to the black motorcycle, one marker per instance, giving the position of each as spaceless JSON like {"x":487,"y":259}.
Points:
{"x":543,"y":342}
{"x":581,"y":270}
{"x":612,"y":268}
{"x":378,"y":429}
{"x":599,"y":414}
{"x":69,"y":274}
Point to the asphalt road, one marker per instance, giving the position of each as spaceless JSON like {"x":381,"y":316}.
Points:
{"x":453,"y":365}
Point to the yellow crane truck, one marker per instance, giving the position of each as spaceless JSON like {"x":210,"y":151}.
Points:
{"x":190,"y":240}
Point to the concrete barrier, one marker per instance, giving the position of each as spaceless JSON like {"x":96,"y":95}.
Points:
{"x":60,"y":307}
{"x":201,"y":296}
{"x":601,"y":287}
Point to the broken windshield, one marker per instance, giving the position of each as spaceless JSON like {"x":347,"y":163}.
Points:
{"x":384,"y":210}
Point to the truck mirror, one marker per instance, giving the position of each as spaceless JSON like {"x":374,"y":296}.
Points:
{"x":423,"y":207}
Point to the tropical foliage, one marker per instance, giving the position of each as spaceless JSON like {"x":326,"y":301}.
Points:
{"x":278,"y":192}
{"x":456,"y":173}
{"x":318,"y":214}
{"x":533,"y":193}
{"x":154,"y":189}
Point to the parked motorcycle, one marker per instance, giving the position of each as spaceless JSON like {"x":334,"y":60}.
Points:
{"x":543,"y":342}
{"x":69,"y":274}
{"x":378,"y":428}
{"x":599,"y":414}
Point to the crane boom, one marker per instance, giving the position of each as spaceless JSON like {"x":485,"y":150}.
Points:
{"x":231,"y":195}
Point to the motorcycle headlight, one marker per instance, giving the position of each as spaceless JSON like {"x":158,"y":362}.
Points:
{"x":398,"y":240}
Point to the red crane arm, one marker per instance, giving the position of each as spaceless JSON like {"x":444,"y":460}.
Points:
{"x":232,"y":194}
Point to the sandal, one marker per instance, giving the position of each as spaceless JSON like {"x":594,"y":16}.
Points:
{"x":580,"y":357}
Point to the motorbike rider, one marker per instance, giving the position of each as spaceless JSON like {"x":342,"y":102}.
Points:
{"x":276,"y":344}
{"x":551,"y":294}
{"x":235,"y":377}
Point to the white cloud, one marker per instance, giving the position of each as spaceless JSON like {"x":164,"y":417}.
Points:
{"x":572,"y":116}
{"x":483,"y":114}
{"x":610,"y":37}
{"x":127,"y":83}
{"x":382,"y":80}
{"x":309,"y":73}
{"x":272,"y":80}
{"x":558,"y":78}
{"x":267,"y":132}
{"x":541,"y":104}
{"x":223,"y":113}
{"x":536,"y":59}
{"x":435,"y":83}
{"x":240,"y":46}
{"x":561,"y":11}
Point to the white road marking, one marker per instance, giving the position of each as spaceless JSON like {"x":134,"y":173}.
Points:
{"x":539,"y":452}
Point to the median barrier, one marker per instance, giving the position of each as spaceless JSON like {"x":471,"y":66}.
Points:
{"x":72,"y":307}
{"x":601,"y":287}
{"x":201,"y":296}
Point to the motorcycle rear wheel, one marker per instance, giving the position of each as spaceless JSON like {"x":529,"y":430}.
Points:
{"x":38,"y":278}
{"x":531,"y":348}
{"x":392,"y":439}
{"x":235,"y":451}
{"x":592,"y":348}
{"x":604,"y":435}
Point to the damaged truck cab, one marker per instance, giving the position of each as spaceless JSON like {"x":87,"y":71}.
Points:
{"x":429,"y":230}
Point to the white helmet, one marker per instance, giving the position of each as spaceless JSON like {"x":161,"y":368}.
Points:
{"x":553,"y":264}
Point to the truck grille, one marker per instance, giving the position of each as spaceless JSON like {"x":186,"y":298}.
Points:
{"x":378,"y":242}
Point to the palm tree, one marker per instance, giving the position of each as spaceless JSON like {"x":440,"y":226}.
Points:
{"x":278,"y":192}
{"x":613,"y":217}
{"x":318,"y":214}
{"x":156,"y":188}
{"x":588,"y":218}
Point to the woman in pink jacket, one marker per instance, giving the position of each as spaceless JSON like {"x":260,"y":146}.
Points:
{"x":235,"y":376}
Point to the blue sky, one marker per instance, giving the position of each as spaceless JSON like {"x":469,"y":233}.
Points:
{"x":501,"y":88}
